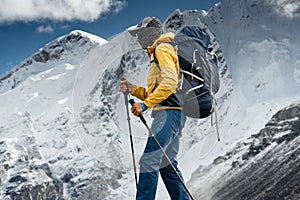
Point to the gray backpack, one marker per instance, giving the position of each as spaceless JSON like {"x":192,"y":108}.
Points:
{"x":199,"y":71}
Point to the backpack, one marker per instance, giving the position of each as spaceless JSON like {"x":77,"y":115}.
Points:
{"x":199,"y":71}
{"x":199,"y":77}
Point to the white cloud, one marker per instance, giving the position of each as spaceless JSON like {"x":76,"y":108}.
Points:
{"x":44,"y":29}
{"x":119,"y":5}
{"x":61,"y":10}
{"x":288,"y":8}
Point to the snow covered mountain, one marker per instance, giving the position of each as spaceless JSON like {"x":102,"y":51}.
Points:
{"x":64,"y":127}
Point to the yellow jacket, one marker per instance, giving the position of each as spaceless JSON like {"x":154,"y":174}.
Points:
{"x":163,"y":80}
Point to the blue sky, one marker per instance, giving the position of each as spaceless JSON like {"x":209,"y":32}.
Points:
{"x":26,"y":26}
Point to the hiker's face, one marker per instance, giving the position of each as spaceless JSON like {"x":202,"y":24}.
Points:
{"x":147,"y":36}
{"x":142,"y":40}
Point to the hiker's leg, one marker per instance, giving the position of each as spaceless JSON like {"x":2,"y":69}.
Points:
{"x":169,"y":177}
{"x":164,"y":130}
{"x":149,"y":172}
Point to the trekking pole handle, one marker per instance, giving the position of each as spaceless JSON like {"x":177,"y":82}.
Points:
{"x":131,"y":101}
{"x":127,"y":85}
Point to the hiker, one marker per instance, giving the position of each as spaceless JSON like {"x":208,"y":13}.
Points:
{"x":168,"y":117}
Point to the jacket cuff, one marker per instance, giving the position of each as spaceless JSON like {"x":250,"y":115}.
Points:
{"x":144,"y":107}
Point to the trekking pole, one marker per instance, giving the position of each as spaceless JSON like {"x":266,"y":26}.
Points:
{"x":130,"y":135}
{"x":131,"y":101}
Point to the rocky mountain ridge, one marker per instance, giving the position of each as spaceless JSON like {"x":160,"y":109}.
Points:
{"x":65,"y":48}
{"x":265,"y":166}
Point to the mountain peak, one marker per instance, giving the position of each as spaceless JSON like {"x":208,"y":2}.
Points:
{"x":70,"y":48}
{"x":93,"y":38}
{"x":68,"y":42}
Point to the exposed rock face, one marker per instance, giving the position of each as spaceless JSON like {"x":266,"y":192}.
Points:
{"x":24,"y":175}
{"x":56,"y":49}
{"x":270,"y":166}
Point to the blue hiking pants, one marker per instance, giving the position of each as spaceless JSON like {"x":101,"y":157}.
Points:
{"x":166,"y":126}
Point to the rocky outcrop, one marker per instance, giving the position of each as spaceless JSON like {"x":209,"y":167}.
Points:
{"x":24,"y":175}
{"x":266,"y":166}
{"x":56,"y":49}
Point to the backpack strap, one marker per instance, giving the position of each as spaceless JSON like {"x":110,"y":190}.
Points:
{"x":155,"y":60}
{"x":181,"y":70}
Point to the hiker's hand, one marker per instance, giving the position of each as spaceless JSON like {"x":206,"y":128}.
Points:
{"x":125,"y":86}
{"x":137,"y":109}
